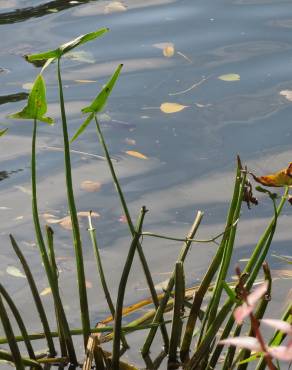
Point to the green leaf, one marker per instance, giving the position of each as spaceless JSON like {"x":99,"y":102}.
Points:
{"x":64,"y":48}
{"x":100,"y":101}
{"x":36,"y":105}
{"x":229,"y":291}
{"x":3,"y":132}
{"x":266,"y":191}
{"x":250,"y":359}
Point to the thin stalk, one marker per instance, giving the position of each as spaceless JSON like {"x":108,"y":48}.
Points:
{"x":227,"y":254}
{"x":200,"y":294}
{"x":131,"y":227}
{"x":253,"y":266}
{"x":101,"y":274}
{"x":121,"y":291}
{"x":177,"y":322}
{"x":16,"y":356}
{"x":4,"y":355}
{"x":19,"y":321}
{"x":36,"y":296}
{"x":74,"y":219}
{"x":43,"y":251}
{"x":160,"y":310}
{"x":263,"y":245}
{"x":51,"y":255}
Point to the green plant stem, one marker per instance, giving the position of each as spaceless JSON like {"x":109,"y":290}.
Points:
{"x":44,"y":255}
{"x":74,"y":219}
{"x":177,"y":322}
{"x":36,"y":296}
{"x":10,"y":337}
{"x":19,"y":321}
{"x":54,"y":268}
{"x":160,"y":310}
{"x":262,"y":246}
{"x":121,"y":291}
{"x":4,"y":355}
{"x":101,"y":274}
{"x":204,"y":286}
{"x":131,"y":227}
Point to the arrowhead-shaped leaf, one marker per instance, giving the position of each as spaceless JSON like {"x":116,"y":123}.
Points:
{"x":64,"y":48}
{"x":99,"y":102}
{"x":36,"y":105}
{"x":3,"y":132}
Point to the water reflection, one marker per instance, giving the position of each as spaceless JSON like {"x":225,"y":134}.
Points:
{"x":20,"y":15}
{"x":5,"y":174}
{"x":13,"y":97}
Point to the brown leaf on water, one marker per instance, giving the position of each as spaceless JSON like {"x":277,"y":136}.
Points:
{"x":115,"y":6}
{"x":46,"y":291}
{"x":90,"y":186}
{"x":287,"y":94}
{"x":172,"y":107}
{"x":277,"y":179}
{"x":65,"y":222}
{"x":135,"y":154}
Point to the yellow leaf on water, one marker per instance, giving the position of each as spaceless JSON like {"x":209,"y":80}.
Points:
{"x":90,"y":186}
{"x":46,"y":291}
{"x":115,"y":6}
{"x":14,"y":271}
{"x":172,"y":107}
{"x":27,"y":85}
{"x":84,"y":81}
{"x":230,"y":77}
{"x":135,"y":154}
{"x":277,"y":179}
{"x":287,"y":94}
{"x":168,"y":51}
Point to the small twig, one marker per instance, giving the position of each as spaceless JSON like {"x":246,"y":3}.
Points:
{"x":191,"y":87}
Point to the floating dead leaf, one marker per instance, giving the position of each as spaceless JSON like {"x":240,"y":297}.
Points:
{"x":90,"y":186}
{"x":65,"y":222}
{"x":84,"y":81}
{"x":287,"y":94}
{"x":168,"y":51}
{"x":27,"y":85}
{"x":88,"y":284}
{"x":23,"y":189}
{"x":162,"y":285}
{"x":135,"y":154}
{"x":130,"y":141}
{"x":172,"y":107}
{"x":277,"y":179}
{"x":80,"y":56}
{"x":123,"y":219}
{"x":18,"y":218}
{"x":14,"y":271}
{"x":283,"y":274}
{"x":115,"y":6}
{"x":230,"y":77}
{"x":46,"y":291}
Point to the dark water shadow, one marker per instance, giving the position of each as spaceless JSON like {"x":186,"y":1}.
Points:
{"x":5,"y":174}
{"x":21,"y":15}
{"x":13,"y":97}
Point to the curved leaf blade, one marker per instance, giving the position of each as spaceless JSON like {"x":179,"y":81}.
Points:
{"x":3,"y":132}
{"x":82,"y":127}
{"x":100,"y":101}
{"x":68,"y":46}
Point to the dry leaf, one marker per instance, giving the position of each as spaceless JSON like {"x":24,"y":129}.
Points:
{"x":88,"y":284}
{"x":115,"y":6}
{"x":86,"y":214}
{"x":162,"y":285}
{"x":14,"y":271}
{"x":130,"y":141}
{"x":287,"y":94}
{"x":90,"y":186}
{"x":27,"y":85}
{"x":46,"y":291}
{"x":135,"y":154}
{"x":172,"y":107}
{"x":230,"y":77}
{"x":168,"y":51}
{"x":277,"y":179}
{"x":84,"y":81}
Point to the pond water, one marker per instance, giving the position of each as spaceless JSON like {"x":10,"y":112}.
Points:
{"x":173,"y":51}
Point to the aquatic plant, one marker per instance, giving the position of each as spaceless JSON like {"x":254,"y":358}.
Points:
{"x":192,"y":341}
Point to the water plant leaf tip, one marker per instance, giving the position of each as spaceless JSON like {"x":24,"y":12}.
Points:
{"x":36,"y":104}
